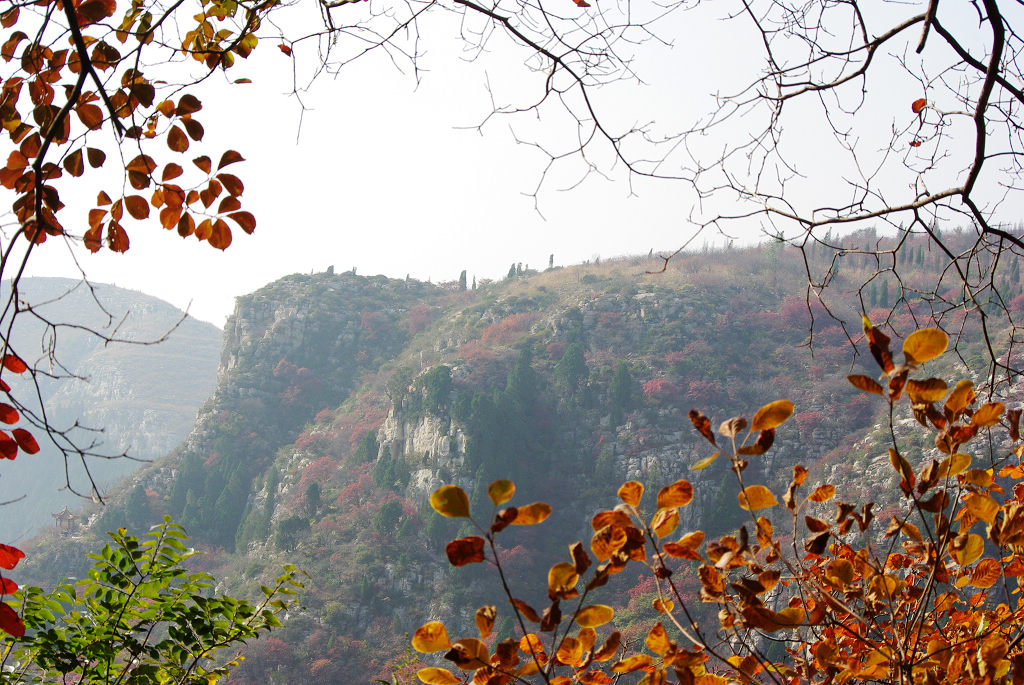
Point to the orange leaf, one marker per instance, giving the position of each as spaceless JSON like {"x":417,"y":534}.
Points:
{"x":203,"y":163}
{"x":74,"y":163}
{"x":14,"y":364}
{"x":220,"y":236}
{"x":531,"y":514}
{"x":631,"y":492}
{"x":679,"y":494}
{"x":917,"y":105}
{"x":285,"y":49}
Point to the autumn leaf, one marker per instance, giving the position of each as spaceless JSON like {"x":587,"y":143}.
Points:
{"x":771,"y":415}
{"x":431,"y":637}
{"x":754,"y":497}
{"x":285,"y":49}
{"x":10,"y":622}
{"x":25,"y":441}
{"x":531,"y":514}
{"x":10,"y":556}
{"x":465,"y":551}
{"x":917,"y":105}
{"x":437,"y":676}
{"x":501,"y":491}
{"x":631,"y":492}
{"x":450,"y":501}
{"x":8,"y":446}
{"x":594,"y":615}
{"x":924,"y":345}
{"x":14,"y":364}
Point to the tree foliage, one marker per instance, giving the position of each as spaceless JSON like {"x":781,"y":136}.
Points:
{"x":139,"y":617}
{"x":810,"y":588}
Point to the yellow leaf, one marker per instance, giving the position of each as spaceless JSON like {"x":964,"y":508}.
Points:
{"x":657,"y":640}
{"x":926,"y":391}
{"x":960,"y":398}
{"x":631,"y":492}
{"x":970,"y":552}
{"x":924,"y":345}
{"x":985,"y":574}
{"x":771,"y":415}
{"x":594,"y":615}
{"x":531,"y":514}
{"x":431,"y":637}
{"x":485,"y":620}
{"x":954,"y":464}
{"x":562,"y":578}
{"x":704,"y":463}
{"x":988,"y":414}
{"x":665,"y":521}
{"x":437,"y":676}
{"x":501,"y":491}
{"x":450,"y":501}
{"x":678,"y":494}
{"x":633,"y":663}
{"x":982,"y":507}
{"x":756,"y":497}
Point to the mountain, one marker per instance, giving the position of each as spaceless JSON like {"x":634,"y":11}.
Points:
{"x":343,"y":401}
{"x":143,"y":396}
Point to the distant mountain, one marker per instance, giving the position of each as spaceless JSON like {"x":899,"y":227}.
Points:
{"x":343,"y":401}
{"x":144,"y":397}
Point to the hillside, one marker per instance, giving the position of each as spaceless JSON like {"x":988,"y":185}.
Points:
{"x":343,"y":401}
{"x":143,"y":396}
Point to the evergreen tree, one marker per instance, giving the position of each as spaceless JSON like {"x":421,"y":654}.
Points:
{"x":571,"y":370}
{"x":512,"y":271}
{"x":462,"y":281}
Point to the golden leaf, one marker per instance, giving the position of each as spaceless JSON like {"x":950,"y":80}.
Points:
{"x":437,"y":676}
{"x":704,"y":463}
{"x":823,"y":493}
{"x":531,"y":514}
{"x":678,"y":494}
{"x":631,"y":492}
{"x":756,"y":497}
{"x":450,"y":501}
{"x":924,"y":345}
{"x":771,"y":415}
{"x":431,"y":637}
{"x":594,"y":615}
{"x":501,"y":491}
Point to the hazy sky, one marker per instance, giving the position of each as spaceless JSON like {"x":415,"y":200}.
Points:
{"x":390,"y":177}
{"x":383,"y":176}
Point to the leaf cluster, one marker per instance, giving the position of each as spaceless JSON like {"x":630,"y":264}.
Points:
{"x":801,"y":596}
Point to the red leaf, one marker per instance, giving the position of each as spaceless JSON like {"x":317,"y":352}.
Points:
{"x":14,"y":364}
{"x":285,"y":49}
{"x":465,"y":551}
{"x":25,"y":441}
{"x":9,"y":621}
{"x":917,"y":105}
{"x":117,"y":238}
{"x":10,"y":556}
{"x":8,"y":414}
{"x":8,"y":586}
{"x":581,"y":3}
{"x":4,"y":386}
{"x":915,"y":143}
{"x":8,"y":449}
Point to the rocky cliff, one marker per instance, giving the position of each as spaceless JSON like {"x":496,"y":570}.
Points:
{"x":343,"y":401}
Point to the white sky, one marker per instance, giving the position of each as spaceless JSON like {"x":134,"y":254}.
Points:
{"x":382,"y":178}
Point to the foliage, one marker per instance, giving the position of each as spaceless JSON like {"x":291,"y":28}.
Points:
{"x":139,"y":616}
{"x":925,"y":595}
